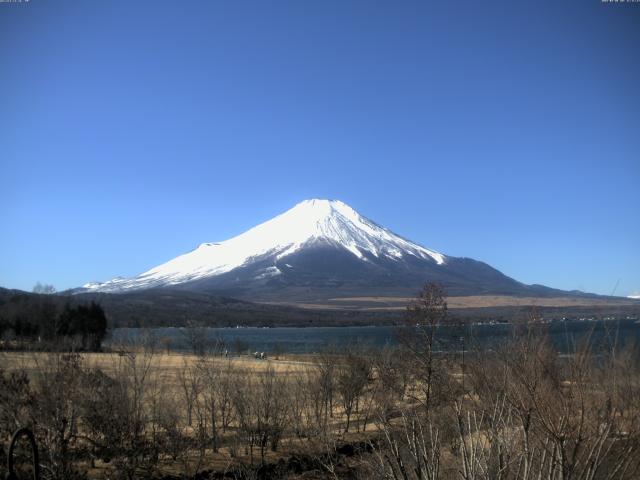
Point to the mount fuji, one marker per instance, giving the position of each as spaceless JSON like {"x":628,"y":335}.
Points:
{"x":319,"y":249}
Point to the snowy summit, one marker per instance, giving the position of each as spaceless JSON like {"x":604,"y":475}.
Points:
{"x":309,"y":223}
{"x":319,"y":250}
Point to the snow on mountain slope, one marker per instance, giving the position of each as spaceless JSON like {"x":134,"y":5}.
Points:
{"x":308,"y":222}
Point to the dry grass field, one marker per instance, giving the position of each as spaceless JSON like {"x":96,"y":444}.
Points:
{"x":168,"y":365}
{"x":177,"y":382}
{"x":382,"y":303}
{"x":479,"y":301}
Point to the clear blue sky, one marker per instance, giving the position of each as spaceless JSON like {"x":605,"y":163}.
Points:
{"x":506,"y":131}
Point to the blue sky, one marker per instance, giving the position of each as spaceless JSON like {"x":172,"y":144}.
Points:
{"x":509,"y":132}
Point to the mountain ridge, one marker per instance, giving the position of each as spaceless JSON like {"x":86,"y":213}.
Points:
{"x":308,"y":223}
{"x":316,"y":250}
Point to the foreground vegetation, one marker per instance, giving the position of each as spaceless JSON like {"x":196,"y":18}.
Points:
{"x":518,"y":411}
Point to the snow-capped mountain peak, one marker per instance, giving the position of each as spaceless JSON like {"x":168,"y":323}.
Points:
{"x":310,"y":222}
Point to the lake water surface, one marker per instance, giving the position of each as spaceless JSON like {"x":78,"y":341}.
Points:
{"x":564,"y":334}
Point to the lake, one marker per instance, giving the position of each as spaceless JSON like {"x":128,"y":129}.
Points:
{"x":564,"y":334}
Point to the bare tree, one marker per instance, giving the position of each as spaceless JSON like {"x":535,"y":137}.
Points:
{"x":100,"y":411}
{"x":410,"y":449}
{"x":16,"y":404}
{"x":134,"y":389}
{"x":352,"y":378}
{"x":57,"y":412}
{"x":189,"y":382}
{"x":216,"y":382}
{"x":326,"y":366}
{"x":546,"y":416}
{"x":271,"y":408}
{"x":195,"y":335}
{"x":418,"y":337}
{"x":314,"y":389}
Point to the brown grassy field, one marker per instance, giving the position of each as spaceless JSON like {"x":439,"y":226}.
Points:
{"x":391,"y":303}
{"x":164,"y":377}
{"x":168,"y":364}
